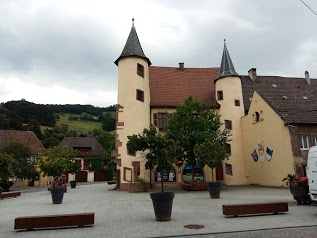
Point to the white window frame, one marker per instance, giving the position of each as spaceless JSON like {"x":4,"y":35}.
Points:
{"x":303,"y":139}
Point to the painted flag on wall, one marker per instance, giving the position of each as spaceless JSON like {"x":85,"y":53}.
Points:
{"x":255,"y":155}
{"x":269,"y":153}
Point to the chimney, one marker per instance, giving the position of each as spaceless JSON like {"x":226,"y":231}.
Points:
{"x":252,"y":74}
{"x":307,"y":78}
{"x":181,"y":67}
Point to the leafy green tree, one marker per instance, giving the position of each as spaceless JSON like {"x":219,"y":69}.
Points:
{"x":28,"y":110}
{"x":212,"y":152}
{"x":34,"y":125}
{"x":23,"y":164}
{"x":156,"y":148}
{"x":55,"y":161}
{"x":193,"y":124}
{"x":50,"y":141}
{"x":6,"y":162}
{"x":108,"y":122}
{"x":9,"y":120}
{"x":107,"y":141}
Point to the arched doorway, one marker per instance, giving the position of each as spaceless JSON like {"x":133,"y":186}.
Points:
{"x":167,"y":175}
{"x":198,"y":173}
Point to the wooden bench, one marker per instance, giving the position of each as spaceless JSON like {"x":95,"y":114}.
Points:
{"x":111,"y":182}
{"x":254,"y":208}
{"x":10,"y":194}
{"x":54,"y":221}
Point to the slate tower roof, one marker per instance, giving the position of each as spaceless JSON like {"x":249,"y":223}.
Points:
{"x":226,"y":68}
{"x":132,"y":47}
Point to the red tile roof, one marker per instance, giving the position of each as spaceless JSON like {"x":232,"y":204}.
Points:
{"x":27,"y":138}
{"x":73,"y":142}
{"x":169,"y":87}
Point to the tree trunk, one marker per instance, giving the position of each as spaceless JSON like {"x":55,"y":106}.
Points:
{"x":212,"y":174}
{"x":162,"y":184}
{"x":193,"y":177}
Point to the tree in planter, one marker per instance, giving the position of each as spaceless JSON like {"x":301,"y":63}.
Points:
{"x":73,"y":168}
{"x":156,"y":148}
{"x":211,"y":153}
{"x":161,"y":152}
{"x":192,"y":124}
{"x":55,"y":161}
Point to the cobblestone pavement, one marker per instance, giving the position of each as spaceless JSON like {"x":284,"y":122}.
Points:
{"x":123,"y":214}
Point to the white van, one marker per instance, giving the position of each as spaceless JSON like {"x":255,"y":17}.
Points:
{"x":311,"y":171}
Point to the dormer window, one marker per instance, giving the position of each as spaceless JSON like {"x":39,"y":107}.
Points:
{"x":140,"y":70}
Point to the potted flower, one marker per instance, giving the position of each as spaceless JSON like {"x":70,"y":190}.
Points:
{"x":160,"y":152}
{"x":55,"y":162}
{"x":298,"y":187}
{"x":72,"y":169}
{"x":211,"y":153}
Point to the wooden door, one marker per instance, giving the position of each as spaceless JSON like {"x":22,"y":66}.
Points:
{"x":81,"y":176}
{"x":219,"y":173}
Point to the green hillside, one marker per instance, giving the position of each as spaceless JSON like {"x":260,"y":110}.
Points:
{"x":82,"y":127}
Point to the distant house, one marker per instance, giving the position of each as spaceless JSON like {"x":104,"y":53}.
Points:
{"x":30,"y":140}
{"x":87,"y":149}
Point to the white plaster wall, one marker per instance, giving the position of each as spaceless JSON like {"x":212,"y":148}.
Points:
{"x":90,"y":177}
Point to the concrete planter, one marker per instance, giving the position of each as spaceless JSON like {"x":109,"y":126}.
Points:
{"x":57,"y":195}
{"x":214,"y":189}
{"x":163,"y":204}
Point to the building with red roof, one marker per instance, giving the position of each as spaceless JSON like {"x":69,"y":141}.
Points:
{"x":273,"y":118}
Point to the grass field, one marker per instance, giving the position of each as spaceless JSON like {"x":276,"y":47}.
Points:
{"x":79,"y":126}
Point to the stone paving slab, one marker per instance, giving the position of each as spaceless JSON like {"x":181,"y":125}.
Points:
{"x":124,"y":214}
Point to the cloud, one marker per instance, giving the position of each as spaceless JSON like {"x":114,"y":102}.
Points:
{"x":67,"y":48}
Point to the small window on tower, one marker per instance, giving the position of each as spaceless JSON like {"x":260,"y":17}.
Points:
{"x":228,"y":124}
{"x":228,"y":146}
{"x":140,"y":95}
{"x":228,"y":169}
{"x":237,"y":103}
{"x":140,"y":70}
{"x":219,"y":95}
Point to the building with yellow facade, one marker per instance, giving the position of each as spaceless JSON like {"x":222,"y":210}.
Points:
{"x":273,"y":119}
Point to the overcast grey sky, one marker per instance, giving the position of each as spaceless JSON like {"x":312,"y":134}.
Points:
{"x":62,"y":52}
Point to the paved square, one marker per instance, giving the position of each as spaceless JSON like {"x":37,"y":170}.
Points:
{"x":124,"y":214}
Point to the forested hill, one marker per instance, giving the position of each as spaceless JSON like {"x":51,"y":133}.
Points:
{"x":44,"y":113}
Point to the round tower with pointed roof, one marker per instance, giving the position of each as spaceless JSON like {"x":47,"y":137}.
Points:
{"x":229,"y":96}
{"x":133,"y":108}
